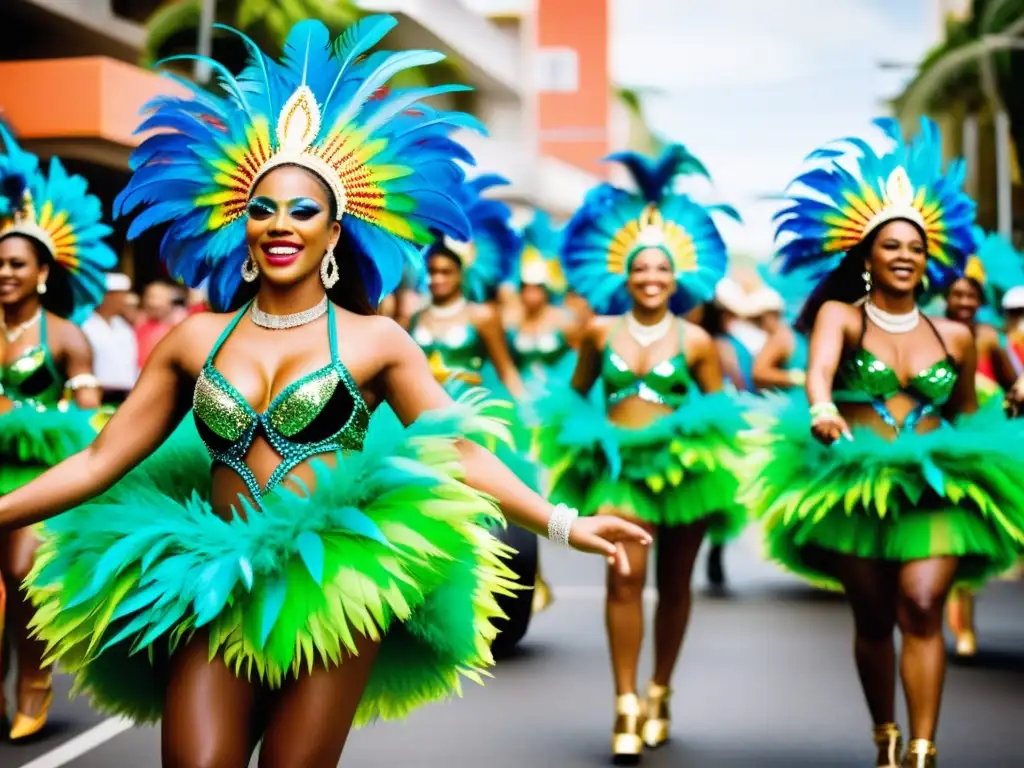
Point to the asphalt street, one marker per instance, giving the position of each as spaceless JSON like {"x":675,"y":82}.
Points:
{"x":766,"y":681}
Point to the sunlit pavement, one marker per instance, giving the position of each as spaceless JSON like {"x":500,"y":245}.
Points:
{"x":765,"y":681}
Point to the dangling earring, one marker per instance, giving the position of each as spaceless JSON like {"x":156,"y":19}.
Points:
{"x":328,"y":269}
{"x":867,"y":282}
{"x":250,"y":269}
{"x":41,"y":287}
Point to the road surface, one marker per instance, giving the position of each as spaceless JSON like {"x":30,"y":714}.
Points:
{"x":766,"y":681}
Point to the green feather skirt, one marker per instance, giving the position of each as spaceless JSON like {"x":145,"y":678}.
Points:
{"x":34,"y":439}
{"x":957,"y":491}
{"x":679,"y":470}
{"x":389,"y":544}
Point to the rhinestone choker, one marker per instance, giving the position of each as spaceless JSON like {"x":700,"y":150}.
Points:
{"x":294,"y":320}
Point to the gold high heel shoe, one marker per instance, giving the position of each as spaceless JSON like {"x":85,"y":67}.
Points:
{"x":889,"y":742}
{"x":961,"y":620}
{"x":626,"y":742}
{"x":542,"y":596}
{"x":920,"y":754}
{"x":25,"y":725}
{"x":656,"y":722}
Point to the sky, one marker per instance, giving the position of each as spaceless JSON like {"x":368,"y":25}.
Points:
{"x":752,"y":86}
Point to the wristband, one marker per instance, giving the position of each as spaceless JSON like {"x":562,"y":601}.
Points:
{"x":560,"y":524}
{"x":822,"y":411}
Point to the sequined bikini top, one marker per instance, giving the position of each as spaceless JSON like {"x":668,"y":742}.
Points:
{"x":458,"y":348}
{"x":543,"y":349}
{"x":321,"y":412}
{"x":667,"y":383}
{"x":33,"y":376}
{"x":863,"y":377}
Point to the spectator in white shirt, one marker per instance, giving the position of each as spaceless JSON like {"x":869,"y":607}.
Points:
{"x":114,"y":349}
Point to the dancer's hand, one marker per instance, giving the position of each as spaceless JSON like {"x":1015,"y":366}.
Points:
{"x":605,"y":535}
{"x":828,"y":429}
{"x":1015,"y":398}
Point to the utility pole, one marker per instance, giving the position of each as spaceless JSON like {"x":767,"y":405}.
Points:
{"x":207,"y":16}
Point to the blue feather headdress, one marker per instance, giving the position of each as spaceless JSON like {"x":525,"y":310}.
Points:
{"x":56,"y":211}
{"x":906,"y":182}
{"x":997,"y":267}
{"x":539,"y":262}
{"x":388,"y":160}
{"x":487,"y":255}
{"x":613,"y":225}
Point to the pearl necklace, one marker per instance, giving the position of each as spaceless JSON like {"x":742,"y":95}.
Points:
{"x":891,"y":323}
{"x":645,"y":335}
{"x":16,"y":333}
{"x":283,"y":322}
{"x":451,"y":310}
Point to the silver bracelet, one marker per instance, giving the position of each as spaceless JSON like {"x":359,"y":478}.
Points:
{"x":83,"y":381}
{"x":560,"y":523}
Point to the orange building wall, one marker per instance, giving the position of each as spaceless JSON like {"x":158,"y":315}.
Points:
{"x":84,"y":98}
{"x":573,"y":127}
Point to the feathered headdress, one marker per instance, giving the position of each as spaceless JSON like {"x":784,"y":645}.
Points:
{"x":906,"y":182}
{"x":539,"y":262}
{"x":388,"y":160}
{"x":488,"y":253}
{"x":56,"y":211}
{"x":613,"y":225}
{"x":997,"y":267}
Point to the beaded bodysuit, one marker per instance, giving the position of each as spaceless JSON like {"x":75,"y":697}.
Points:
{"x":667,"y":383}
{"x":863,"y":378}
{"x":33,"y":376}
{"x":321,"y":412}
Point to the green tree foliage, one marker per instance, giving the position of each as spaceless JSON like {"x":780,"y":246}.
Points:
{"x":979,"y":64}
{"x":174,"y":29}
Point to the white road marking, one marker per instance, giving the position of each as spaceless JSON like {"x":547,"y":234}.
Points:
{"x":78,"y":746}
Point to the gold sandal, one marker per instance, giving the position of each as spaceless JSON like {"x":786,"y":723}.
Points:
{"x":889,"y":743}
{"x":626,"y":742}
{"x":655,"y":730}
{"x":920,"y":754}
{"x":26,"y":725}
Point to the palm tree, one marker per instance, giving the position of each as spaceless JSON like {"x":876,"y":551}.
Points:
{"x":174,"y":29}
{"x":979,"y":65}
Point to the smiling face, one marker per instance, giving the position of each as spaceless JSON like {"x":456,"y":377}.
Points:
{"x":897,"y":258}
{"x":445,"y":278}
{"x":289,"y":225}
{"x":963,"y":300}
{"x":20,"y":269}
{"x":651,"y":281}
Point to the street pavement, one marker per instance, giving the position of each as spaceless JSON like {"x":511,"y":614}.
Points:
{"x":766,"y":680}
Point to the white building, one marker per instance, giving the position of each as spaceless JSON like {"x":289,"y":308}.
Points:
{"x":493,"y":41}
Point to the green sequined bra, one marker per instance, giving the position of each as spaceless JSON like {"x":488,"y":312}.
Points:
{"x":33,"y":377}
{"x":320,"y":413}
{"x":667,"y":383}
{"x":864,"y":378}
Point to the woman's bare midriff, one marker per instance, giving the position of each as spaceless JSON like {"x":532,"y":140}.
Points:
{"x":865,"y":415}
{"x":227,"y":486}
{"x":636,"y":413}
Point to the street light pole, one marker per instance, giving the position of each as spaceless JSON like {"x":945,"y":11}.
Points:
{"x":201,"y":71}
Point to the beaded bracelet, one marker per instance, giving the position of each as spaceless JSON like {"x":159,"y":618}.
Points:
{"x":822,"y":411}
{"x":560,"y":524}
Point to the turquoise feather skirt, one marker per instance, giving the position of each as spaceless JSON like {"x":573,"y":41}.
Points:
{"x":34,"y":439}
{"x":955,"y":491}
{"x":390,"y":544}
{"x":680,"y":470}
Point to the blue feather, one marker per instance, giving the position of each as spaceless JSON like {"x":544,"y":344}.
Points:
{"x":311,"y":549}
